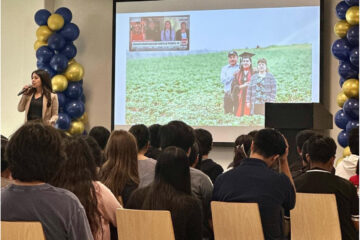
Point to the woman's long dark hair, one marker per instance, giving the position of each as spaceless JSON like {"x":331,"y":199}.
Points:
{"x":77,"y":174}
{"x":241,"y":149}
{"x":45,"y":83}
{"x":165,"y":29}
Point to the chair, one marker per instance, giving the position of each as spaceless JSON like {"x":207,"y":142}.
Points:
{"x":144,"y":224}
{"x":233,"y":221}
{"x":22,"y":231}
{"x":315,"y":216}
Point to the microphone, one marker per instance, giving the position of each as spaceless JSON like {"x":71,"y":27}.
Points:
{"x":24,"y":90}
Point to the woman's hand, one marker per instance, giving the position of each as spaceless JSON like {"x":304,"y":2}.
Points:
{"x":27,"y":88}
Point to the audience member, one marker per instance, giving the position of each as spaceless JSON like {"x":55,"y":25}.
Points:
{"x":241,"y":149}
{"x":254,"y":181}
{"x":34,"y":153}
{"x":355,"y":179}
{"x":154,"y":148}
{"x":78,"y":175}
{"x":207,"y":165}
{"x":146,"y":165}
{"x":101,"y":135}
{"x":6,"y":178}
{"x":96,"y":151}
{"x":194,"y":156}
{"x":320,"y":180}
{"x":120,"y":171}
{"x":171,"y":190}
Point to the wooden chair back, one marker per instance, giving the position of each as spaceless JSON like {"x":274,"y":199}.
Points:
{"x":22,"y":231}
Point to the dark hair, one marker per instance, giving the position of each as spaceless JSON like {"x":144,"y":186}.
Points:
{"x":34,"y":152}
{"x":178,"y":134}
{"x":302,"y":136}
{"x":101,"y":135}
{"x":141,"y":133}
{"x":253,"y":133}
{"x":242,"y":68}
{"x":269,"y":142}
{"x":163,"y":33}
{"x":354,"y":140}
{"x":241,"y":152}
{"x":4,"y":162}
{"x":321,"y":148}
{"x":45,"y":84}
{"x":95,"y":150}
{"x":154,"y":135}
{"x":205,"y":141}
{"x":263,"y":60}
{"x":77,"y":175}
{"x":194,"y":154}
{"x":305,"y":151}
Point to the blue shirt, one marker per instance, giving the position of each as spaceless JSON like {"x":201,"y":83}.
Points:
{"x":254,"y":181}
{"x":227,"y":76}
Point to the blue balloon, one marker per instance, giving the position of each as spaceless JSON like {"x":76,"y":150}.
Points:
{"x":351,"y":124}
{"x":83,"y":98}
{"x":81,"y":81}
{"x":70,"y":31}
{"x":341,"y":9}
{"x":61,"y":110}
{"x":49,"y":70}
{"x":41,"y":17}
{"x":352,"y":35}
{"x":352,"y":2}
{"x":61,"y":99}
{"x":75,"y":109}
{"x":69,"y":50}
{"x":343,"y":138}
{"x":40,"y":65}
{"x":65,"y":13}
{"x":341,"y":119}
{"x":341,"y":81}
{"x":73,"y":90}
{"x":63,"y":121}
{"x":351,"y":108}
{"x":56,"y":41}
{"x":340,"y":49}
{"x":44,"y":54}
{"x":354,"y":56}
{"x":347,"y":70}
{"x":59,"y":62}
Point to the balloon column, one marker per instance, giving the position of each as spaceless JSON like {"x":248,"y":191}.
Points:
{"x":55,"y":53}
{"x":346,"y":50}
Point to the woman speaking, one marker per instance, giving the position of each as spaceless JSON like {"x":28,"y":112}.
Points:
{"x":38,"y":100}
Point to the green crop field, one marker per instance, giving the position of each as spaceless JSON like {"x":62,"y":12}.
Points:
{"x":188,"y":88}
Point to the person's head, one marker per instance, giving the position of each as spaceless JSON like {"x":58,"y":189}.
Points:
{"x":155,"y":135}
{"x":151,"y":25}
{"x":183,"y":26}
{"x":178,"y":134}
{"x":262,"y":65}
{"x":4,"y":162}
{"x":40,"y":79}
{"x":253,"y":133}
{"x":204,"y":140}
{"x":246,"y":61}
{"x":101,"y":135}
{"x":121,"y":166}
{"x":167,"y":25}
{"x":241,"y":149}
{"x":34,"y":152}
{"x":95,"y":150}
{"x":137,"y":27}
{"x":141,"y":133}
{"x":302,"y":137}
{"x":322,"y":150}
{"x":232,"y":58}
{"x":194,"y":156}
{"x":354,"y":141}
{"x":305,"y":153}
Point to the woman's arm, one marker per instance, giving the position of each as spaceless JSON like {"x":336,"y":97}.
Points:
{"x":107,"y":203}
{"x":54,"y":109}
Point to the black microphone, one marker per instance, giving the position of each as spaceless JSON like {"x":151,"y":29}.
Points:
{"x":24,"y":90}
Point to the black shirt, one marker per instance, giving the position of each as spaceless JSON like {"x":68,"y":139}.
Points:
{"x":35,"y":109}
{"x":254,"y":181}
{"x":211,"y":168}
{"x":321,"y":181}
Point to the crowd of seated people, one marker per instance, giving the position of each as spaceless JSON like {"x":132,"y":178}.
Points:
{"x":74,"y":184}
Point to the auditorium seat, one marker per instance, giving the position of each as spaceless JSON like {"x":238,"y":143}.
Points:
{"x":22,"y":231}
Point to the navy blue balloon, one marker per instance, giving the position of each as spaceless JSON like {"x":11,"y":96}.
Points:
{"x":351,"y":124}
{"x":343,"y":139}
{"x":341,"y":81}
{"x":352,"y":2}
{"x":65,"y":13}
{"x":83,"y":98}
{"x":44,"y":54}
{"x":341,"y":9}
{"x":63,"y":121}
{"x":351,"y":108}
{"x":75,"y":109}
{"x":341,"y":119}
{"x":56,"y":41}
{"x":340,"y":49}
{"x":352,"y":35}
{"x":73,"y":90}
{"x":346,"y":70}
{"x":41,"y":17}
{"x":49,"y":70}
{"x":61,"y":110}
{"x":61,"y":99}
{"x":69,"y":50}
{"x":59,"y":63}
{"x":354,"y":56}
{"x":40,"y":65}
{"x":81,"y":81}
{"x":70,"y":31}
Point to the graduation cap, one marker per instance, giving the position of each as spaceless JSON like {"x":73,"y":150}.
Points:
{"x":246,"y":55}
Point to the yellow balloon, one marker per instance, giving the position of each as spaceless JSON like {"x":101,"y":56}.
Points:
{"x":338,"y":161}
{"x":341,"y":99}
{"x":55,"y":22}
{"x":76,"y":127}
{"x":352,"y":15}
{"x":74,"y":72}
{"x":83,"y":118}
{"x":59,"y":83}
{"x":351,"y":88}
{"x":43,"y":33}
{"x":346,"y":152}
{"x":38,"y":44}
{"x":71,"y":61}
{"x":341,"y":28}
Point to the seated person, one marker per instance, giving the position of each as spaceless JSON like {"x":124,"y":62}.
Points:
{"x":6,"y":178}
{"x":34,"y":153}
{"x":101,"y":135}
{"x":154,"y":148}
{"x":241,"y":150}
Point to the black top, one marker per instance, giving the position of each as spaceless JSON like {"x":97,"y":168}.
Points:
{"x":211,"y":168}
{"x":321,"y":181}
{"x":127,"y":191}
{"x":35,"y":109}
{"x":254,"y":181}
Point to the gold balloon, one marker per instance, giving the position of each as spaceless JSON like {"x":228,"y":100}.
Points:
{"x":341,"y":99}
{"x":55,"y":22}
{"x":352,"y":15}
{"x":83,"y":118}
{"x":74,"y":72}
{"x":38,"y":44}
{"x":339,"y":161}
{"x":341,"y":28}
{"x":43,"y":33}
{"x":59,"y":83}
{"x":76,"y":127}
{"x":346,"y":152}
{"x":351,"y":88}
{"x":71,"y":61}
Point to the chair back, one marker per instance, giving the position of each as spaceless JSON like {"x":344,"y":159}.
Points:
{"x":22,"y":231}
{"x":236,"y":221}
{"x":315,"y":216}
{"x":144,"y":224}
